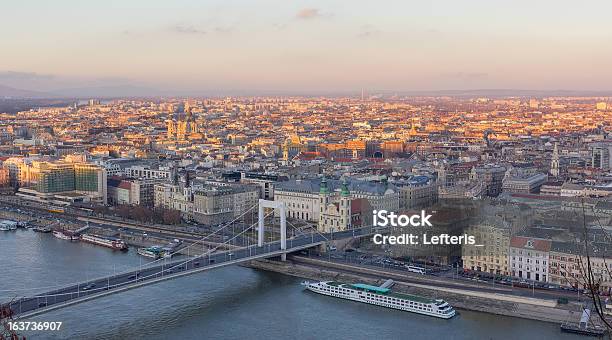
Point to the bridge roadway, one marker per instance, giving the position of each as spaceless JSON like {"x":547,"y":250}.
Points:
{"x":166,"y":270}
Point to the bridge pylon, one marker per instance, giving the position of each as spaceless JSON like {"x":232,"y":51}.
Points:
{"x":276,"y":205}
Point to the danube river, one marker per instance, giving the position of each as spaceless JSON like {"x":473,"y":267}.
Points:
{"x":227,"y":303}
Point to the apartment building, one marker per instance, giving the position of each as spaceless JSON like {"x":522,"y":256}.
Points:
{"x":523,"y":181}
{"x":491,"y":176}
{"x":492,"y":257}
{"x":569,"y":266}
{"x":219,"y":204}
{"x":131,"y":191}
{"x":207,"y":203}
{"x":417,"y":192}
{"x":529,"y":258}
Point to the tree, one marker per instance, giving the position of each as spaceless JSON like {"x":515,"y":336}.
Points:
{"x":6,"y":317}
{"x":590,"y":279}
{"x":171,"y":216}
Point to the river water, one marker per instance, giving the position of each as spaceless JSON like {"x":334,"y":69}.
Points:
{"x":227,"y":303}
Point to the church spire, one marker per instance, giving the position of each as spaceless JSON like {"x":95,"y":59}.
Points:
{"x":324,"y":189}
{"x":554,"y":163}
{"x":345,"y":191}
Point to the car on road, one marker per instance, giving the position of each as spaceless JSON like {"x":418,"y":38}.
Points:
{"x":196,"y":264}
{"x":89,"y":286}
{"x":42,"y":304}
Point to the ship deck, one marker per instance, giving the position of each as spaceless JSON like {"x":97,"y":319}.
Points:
{"x":404,"y":296}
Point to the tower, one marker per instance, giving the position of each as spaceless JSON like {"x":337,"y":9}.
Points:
{"x":171,"y":126}
{"x":345,"y":206}
{"x":441,"y":179}
{"x":554,"y":163}
{"x":323,"y":199}
{"x":181,"y":129}
{"x":286,"y":153}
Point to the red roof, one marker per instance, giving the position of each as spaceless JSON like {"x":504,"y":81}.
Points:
{"x":308,"y":155}
{"x":357,"y":205}
{"x":530,"y":243}
{"x":343,"y":160}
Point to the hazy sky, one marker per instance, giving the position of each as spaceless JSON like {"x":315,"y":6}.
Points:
{"x":307,"y":45}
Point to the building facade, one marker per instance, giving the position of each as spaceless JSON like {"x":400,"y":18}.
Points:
{"x":492,"y":257}
{"x":302,"y":199}
{"x":417,"y":192}
{"x":523,"y":182}
{"x":83,"y":182}
{"x":529,"y":258}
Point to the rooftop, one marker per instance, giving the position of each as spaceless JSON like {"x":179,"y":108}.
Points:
{"x":314,"y":185}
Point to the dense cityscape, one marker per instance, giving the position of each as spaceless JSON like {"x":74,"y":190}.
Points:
{"x":530,"y":178}
{"x":306,"y":170}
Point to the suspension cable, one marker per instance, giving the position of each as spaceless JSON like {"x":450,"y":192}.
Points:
{"x":148,"y":264}
{"x":137,"y":278}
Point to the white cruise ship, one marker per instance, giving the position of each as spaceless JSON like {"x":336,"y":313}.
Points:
{"x":384,"y":297}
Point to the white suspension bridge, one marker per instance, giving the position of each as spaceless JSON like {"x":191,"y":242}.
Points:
{"x":163,"y":269}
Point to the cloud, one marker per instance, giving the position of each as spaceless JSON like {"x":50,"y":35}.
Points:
{"x":14,"y":75}
{"x":186,"y":29}
{"x":308,"y":13}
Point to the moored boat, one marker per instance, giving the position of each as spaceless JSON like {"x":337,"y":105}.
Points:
{"x":8,"y":225}
{"x":584,"y":326}
{"x":105,"y":241}
{"x":66,"y":235}
{"x":384,"y":297}
{"x":153,"y":252}
{"x":42,"y":229}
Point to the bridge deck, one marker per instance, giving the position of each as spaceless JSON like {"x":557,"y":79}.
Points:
{"x":165,"y":270}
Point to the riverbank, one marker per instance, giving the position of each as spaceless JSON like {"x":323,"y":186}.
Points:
{"x":493,"y":303}
{"x":221,"y":303}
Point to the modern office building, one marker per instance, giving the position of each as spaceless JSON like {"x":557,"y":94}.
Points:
{"x":600,"y":155}
{"x":63,"y":181}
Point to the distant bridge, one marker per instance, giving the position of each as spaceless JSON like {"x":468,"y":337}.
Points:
{"x":166,"y":270}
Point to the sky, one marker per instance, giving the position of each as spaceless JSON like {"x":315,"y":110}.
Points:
{"x":283,"y":45}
